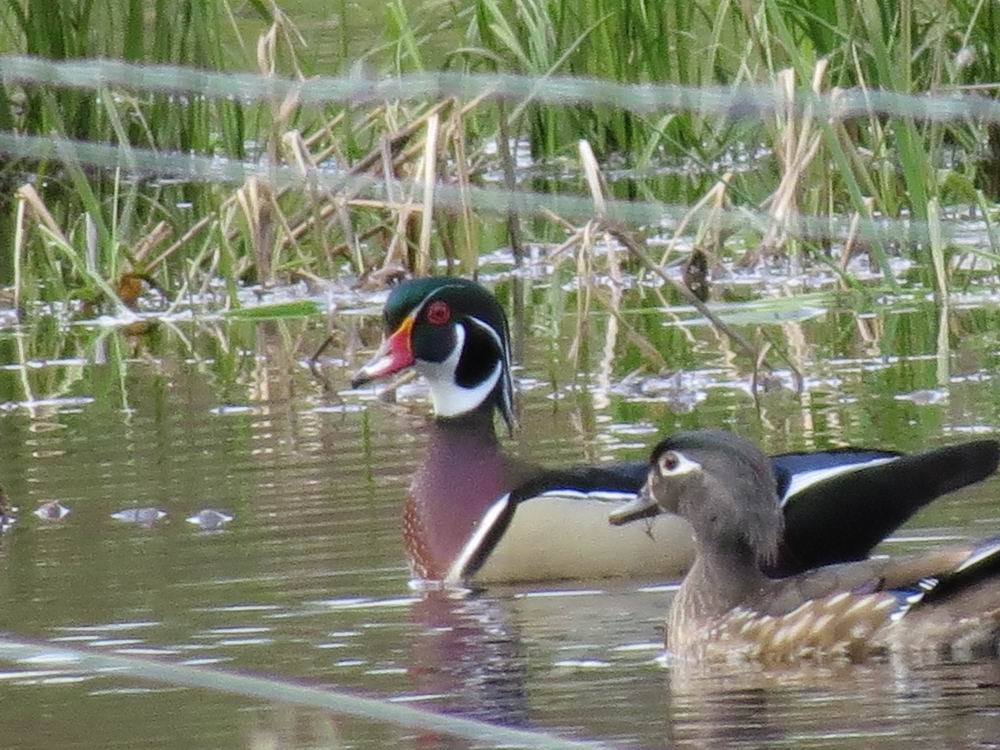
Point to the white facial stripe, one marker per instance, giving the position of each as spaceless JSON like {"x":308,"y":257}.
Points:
{"x":489,"y":329}
{"x":420,"y":306}
{"x":684,"y":466}
{"x":508,"y":389}
{"x":449,"y":398}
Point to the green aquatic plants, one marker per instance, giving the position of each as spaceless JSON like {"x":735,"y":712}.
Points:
{"x":908,"y":47}
{"x":94,"y":220}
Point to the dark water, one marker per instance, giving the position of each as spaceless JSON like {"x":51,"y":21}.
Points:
{"x":309,"y":581}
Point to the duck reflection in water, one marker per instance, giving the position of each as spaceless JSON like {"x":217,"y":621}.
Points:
{"x":469,"y":654}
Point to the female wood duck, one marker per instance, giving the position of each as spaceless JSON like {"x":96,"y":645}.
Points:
{"x":476,"y":515}
{"x":728,"y":606}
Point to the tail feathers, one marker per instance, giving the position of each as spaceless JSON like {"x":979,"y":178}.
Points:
{"x":979,"y":565}
{"x":842,"y":518}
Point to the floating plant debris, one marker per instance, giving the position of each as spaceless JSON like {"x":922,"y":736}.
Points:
{"x":233,"y":409}
{"x":141,"y":516}
{"x":926,"y":397}
{"x":53,"y":510}
{"x":209,"y":519}
{"x":7,"y":511}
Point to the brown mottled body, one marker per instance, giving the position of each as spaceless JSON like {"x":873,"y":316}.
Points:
{"x":728,"y":609}
{"x":845,"y":624}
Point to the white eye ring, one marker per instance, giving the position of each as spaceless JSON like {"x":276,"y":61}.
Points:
{"x":669,"y":462}
{"x":674,"y":464}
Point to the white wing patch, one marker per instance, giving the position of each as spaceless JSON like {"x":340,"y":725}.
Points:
{"x":802,"y":480}
{"x":979,"y":556}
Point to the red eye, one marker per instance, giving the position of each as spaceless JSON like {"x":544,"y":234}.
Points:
{"x":438,"y":313}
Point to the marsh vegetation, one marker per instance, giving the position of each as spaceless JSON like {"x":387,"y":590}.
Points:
{"x":790,"y":181}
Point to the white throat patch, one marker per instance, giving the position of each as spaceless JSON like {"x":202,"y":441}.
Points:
{"x":449,"y":398}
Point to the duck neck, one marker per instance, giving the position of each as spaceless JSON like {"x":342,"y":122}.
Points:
{"x":724,"y":575}
{"x":476,"y":424}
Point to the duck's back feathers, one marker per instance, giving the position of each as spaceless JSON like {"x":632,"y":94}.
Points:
{"x":822,"y":521}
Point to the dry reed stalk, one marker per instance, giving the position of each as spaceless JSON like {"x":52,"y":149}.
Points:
{"x":555,"y":255}
{"x":195,"y":229}
{"x":510,"y":184}
{"x":468,"y":256}
{"x":350,"y":238}
{"x":294,"y":143}
{"x":19,"y":237}
{"x":305,"y":222}
{"x":50,"y":229}
{"x":405,"y":208}
{"x":41,"y":212}
{"x":429,"y":178}
{"x":149,"y":243}
{"x":798,"y":145}
{"x":300,"y":225}
{"x":646,"y":348}
{"x":595,"y":181}
{"x":605,"y":365}
{"x":344,"y":249}
{"x":254,"y":198}
{"x":584,"y":275}
{"x":624,"y":236}
{"x":850,"y":242}
{"x":598,"y":187}
{"x":557,"y":219}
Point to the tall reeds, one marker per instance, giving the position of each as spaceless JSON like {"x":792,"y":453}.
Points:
{"x":180,"y":235}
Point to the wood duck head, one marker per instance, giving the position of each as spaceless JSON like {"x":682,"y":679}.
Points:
{"x":722,"y":485}
{"x":454,"y":333}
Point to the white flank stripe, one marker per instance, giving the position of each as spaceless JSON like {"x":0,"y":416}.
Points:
{"x":457,"y":572}
{"x":607,"y":496}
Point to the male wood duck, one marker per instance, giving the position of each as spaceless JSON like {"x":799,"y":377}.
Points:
{"x":728,"y":606}
{"x":475,"y":515}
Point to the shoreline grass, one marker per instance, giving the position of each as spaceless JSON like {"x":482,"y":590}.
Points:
{"x":103,"y":239}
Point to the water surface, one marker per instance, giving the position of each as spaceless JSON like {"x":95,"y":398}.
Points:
{"x":309,"y":581}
